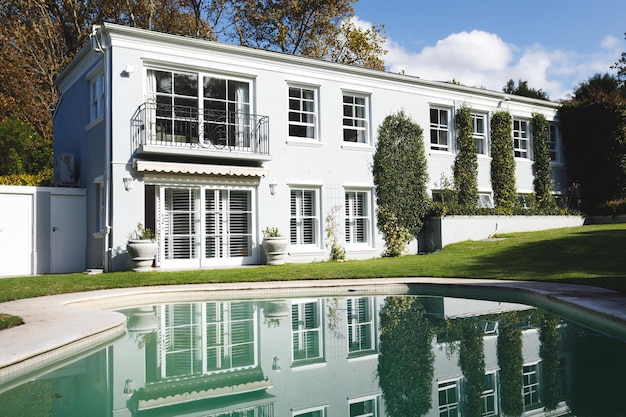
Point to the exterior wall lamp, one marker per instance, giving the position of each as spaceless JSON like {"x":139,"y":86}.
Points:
{"x":273,"y":185}
{"x":128,"y":182}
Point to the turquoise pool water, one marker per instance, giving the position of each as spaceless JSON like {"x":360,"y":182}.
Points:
{"x":336,"y":356}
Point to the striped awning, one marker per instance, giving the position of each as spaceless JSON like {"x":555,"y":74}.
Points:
{"x":199,"y":169}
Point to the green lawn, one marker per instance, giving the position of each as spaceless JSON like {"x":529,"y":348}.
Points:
{"x":593,"y":255}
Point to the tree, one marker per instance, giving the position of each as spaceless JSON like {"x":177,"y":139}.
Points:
{"x":405,"y":364}
{"x":522,"y":89}
{"x":542,"y":166}
{"x":466,"y":162}
{"x":503,"y":162}
{"x":620,"y":66}
{"x":400,"y":174}
{"x":22,"y":150}
{"x":593,"y":127}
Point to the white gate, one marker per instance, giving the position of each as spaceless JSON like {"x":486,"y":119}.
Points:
{"x":68,"y":242}
{"x":16,"y":234}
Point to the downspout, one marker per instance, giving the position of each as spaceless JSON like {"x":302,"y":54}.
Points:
{"x":106,"y":244}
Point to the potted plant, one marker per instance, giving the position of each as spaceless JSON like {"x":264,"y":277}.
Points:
{"x":275,"y":246}
{"x":141,"y":247}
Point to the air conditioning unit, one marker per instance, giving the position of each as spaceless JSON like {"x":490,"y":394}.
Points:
{"x":66,"y":174}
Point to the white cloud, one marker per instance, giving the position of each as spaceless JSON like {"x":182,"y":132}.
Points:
{"x":483,"y":59}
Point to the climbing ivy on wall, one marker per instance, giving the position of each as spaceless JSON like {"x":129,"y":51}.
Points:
{"x":406,"y":360}
{"x":466,"y":161}
{"x":510,"y":360}
{"x":542,"y":167}
{"x":549,"y":352}
{"x":472,"y":363}
{"x":503,"y":162}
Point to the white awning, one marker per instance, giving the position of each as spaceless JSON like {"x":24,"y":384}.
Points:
{"x":199,"y":169}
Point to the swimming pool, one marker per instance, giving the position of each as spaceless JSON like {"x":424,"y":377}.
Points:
{"x":361,"y":351}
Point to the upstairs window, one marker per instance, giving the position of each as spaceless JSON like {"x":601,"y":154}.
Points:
{"x":521,"y":138}
{"x":355,"y":122}
{"x":439,"y":129}
{"x":480,"y":134}
{"x":96,"y":86}
{"x":302,"y":113}
{"x":553,"y":143}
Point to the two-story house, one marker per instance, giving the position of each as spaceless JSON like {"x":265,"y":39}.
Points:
{"x":209,"y":143}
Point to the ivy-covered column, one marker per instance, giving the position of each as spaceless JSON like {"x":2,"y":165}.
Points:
{"x":503,"y":162}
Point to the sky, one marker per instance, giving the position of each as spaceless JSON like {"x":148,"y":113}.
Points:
{"x":553,"y":44}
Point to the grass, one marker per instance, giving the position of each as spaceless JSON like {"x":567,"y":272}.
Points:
{"x":592,"y":255}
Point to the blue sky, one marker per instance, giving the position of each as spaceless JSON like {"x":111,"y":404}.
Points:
{"x":552,"y":44}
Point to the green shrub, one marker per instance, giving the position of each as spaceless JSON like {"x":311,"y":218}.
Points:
{"x":503,"y":162}
{"x":542,"y":167}
{"x":466,"y":162}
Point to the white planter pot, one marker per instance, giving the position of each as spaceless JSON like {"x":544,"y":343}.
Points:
{"x":142,"y":253}
{"x":275,"y":249}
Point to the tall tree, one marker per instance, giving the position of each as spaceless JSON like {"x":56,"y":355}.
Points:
{"x":400,"y":173}
{"x":620,"y":66}
{"x":522,"y":89}
{"x":503,"y":162}
{"x":593,"y":126}
{"x":542,"y":166}
{"x":466,"y":161}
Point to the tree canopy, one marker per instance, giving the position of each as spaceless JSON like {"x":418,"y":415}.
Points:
{"x":522,"y":89}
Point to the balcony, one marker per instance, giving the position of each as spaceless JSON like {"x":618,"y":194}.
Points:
{"x":160,"y":129}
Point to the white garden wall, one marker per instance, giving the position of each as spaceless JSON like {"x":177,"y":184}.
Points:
{"x":442,"y":231}
{"x":42,"y":230}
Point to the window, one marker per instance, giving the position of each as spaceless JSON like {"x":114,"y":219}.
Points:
{"x":484,"y":200}
{"x":200,"y":109}
{"x":364,"y":408}
{"x":357,"y":218}
{"x":531,"y":386}
{"x":480,"y":134}
{"x":449,"y":399}
{"x":304,"y":221}
{"x":553,"y":143}
{"x":96,"y":86}
{"x":175,"y":97}
{"x":226,"y":112}
{"x":302,"y":113}
{"x":207,"y":222}
{"x":312,"y":412}
{"x":489,"y":396}
{"x":355,"y":126}
{"x":360,"y":325}
{"x":521,"y":139}
{"x":200,"y":338}
{"x":439,"y":129}
{"x":306,"y":331}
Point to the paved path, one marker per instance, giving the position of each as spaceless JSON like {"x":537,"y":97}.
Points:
{"x":57,"y":327}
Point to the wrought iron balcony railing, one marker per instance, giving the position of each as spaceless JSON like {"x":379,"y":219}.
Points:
{"x":166,"y":125}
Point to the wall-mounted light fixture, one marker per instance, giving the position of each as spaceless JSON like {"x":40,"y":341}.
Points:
{"x":273,"y":185}
{"x":129,"y":388}
{"x":276,"y":364}
{"x":128,"y":70}
{"x":128,"y":182}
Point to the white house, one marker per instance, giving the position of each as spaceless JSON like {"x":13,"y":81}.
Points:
{"x":209,"y":143}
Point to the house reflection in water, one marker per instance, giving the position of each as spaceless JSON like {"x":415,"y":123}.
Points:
{"x":322,"y":357}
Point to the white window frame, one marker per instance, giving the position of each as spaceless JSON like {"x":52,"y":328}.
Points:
{"x":299,"y":217}
{"x":300,"y":332}
{"x":322,"y":409}
{"x":521,"y":138}
{"x":480,"y":138}
{"x":307,"y":108}
{"x":352,"y":121}
{"x":485,"y":200}
{"x":491,"y":395}
{"x":374,"y":399}
{"x":554,"y":143}
{"x":96,"y":96}
{"x":531,"y":390}
{"x":445,"y":410}
{"x":353,"y":221}
{"x":360,"y":321}
{"x":439,"y":129}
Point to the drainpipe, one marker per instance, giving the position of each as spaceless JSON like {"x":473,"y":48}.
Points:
{"x":106,"y":244}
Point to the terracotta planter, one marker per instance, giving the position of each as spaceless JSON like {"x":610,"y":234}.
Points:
{"x":142,"y":253}
{"x":275,"y":249}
